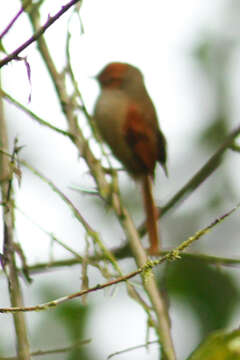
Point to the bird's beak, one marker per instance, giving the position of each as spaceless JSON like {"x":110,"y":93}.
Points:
{"x":94,"y":77}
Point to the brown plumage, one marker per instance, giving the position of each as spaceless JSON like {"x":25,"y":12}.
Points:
{"x":127,"y":121}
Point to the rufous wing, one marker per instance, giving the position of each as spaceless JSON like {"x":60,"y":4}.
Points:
{"x":141,"y":139}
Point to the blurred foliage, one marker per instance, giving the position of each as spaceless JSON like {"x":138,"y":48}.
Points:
{"x":215,"y":199}
{"x":213,"y":135}
{"x":208,"y":291}
{"x":66,"y":321}
{"x":213,"y":53}
{"x":212,"y":58}
{"x":219,"y":346}
{"x":73,"y":316}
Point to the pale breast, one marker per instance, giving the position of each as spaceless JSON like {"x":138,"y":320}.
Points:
{"x":110,"y":115}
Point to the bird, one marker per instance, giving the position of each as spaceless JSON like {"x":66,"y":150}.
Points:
{"x":127,"y":122}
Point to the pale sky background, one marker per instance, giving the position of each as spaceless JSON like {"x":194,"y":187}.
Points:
{"x":156,"y":36}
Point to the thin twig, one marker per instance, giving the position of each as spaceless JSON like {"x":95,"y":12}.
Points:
{"x":34,"y":116}
{"x":145,"y":270}
{"x":200,"y":176}
{"x":38,"y":33}
{"x":67,"y":201}
{"x":78,"y":258}
{"x":132,"y":349}
{"x":12,"y":22}
{"x":89,"y":230}
{"x":74,"y":81}
{"x":53,"y":351}
{"x":58,"y":264}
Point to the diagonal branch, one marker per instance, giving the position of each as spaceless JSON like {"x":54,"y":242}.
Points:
{"x":211,"y":165}
{"x":34,"y":116}
{"x":201,"y":175}
{"x":38,"y":33}
{"x":61,"y":350}
{"x":12,"y":22}
{"x":58,"y":264}
{"x":145,"y":269}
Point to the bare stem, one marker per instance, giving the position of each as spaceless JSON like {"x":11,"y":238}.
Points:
{"x":10,"y":268}
{"x":38,"y":33}
{"x":14,"y":19}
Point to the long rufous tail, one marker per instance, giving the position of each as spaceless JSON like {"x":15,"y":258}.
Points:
{"x":151,"y":215}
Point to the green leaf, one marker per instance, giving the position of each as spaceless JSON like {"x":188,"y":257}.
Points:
{"x":219,"y":346}
{"x":215,"y":133}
